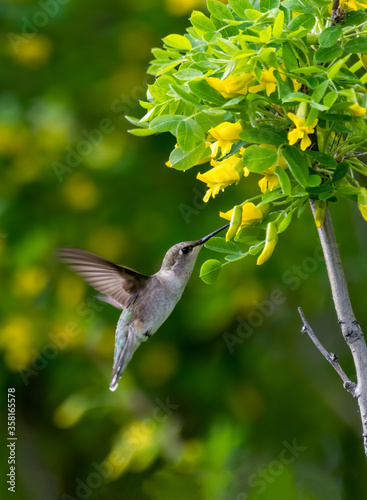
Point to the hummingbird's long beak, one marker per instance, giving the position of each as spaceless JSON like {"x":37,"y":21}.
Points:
{"x":206,"y":238}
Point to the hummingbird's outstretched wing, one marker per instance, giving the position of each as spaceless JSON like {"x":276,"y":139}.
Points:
{"x":120,"y":283}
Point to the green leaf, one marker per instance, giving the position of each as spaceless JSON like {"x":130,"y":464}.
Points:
{"x":354,"y":18}
{"x":306,"y":21}
{"x":206,"y":120}
{"x":319,"y":91}
{"x":188,"y":74}
{"x":189,"y":133}
{"x":239,"y":7}
{"x":259,"y":159}
{"x":330,"y":36}
{"x":328,"y":194}
{"x":206,"y":92}
{"x":307,"y":70}
{"x":314,"y":180}
{"x":322,"y":158}
{"x":178,"y":42}
{"x":357,"y":45}
{"x":183,"y":160}
{"x":250,"y":236}
{"x":186,"y":96}
{"x":262,"y":135}
{"x":166,"y":123}
{"x":141,"y":132}
{"x":223,"y":246}
{"x":335,"y":117}
{"x":289,"y":57}
{"x":341,"y":171}
{"x":210,"y":271}
{"x":327,"y":54}
{"x":218,"y":10}
{"x":284,"y":180}
{"x":330,"y":98}
{"x":201,"y":22}
{"x":266,"y":5}
{"x":284,"y":222}
{"x":298,"y":6}
{"x":297,"y":164}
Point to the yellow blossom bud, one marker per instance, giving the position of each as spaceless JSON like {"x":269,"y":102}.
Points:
{"x":226,"y":134}
{"x":250,"y":214}
{"x":357,"y":110}
{"x":235,"y":223}
{"x":264,"y":207}
{"x":270,"y":243}
{"x":320,"y":207}
{"x":362,"y":202}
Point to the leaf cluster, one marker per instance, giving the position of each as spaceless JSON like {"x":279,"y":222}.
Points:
{"x":301,"y":104}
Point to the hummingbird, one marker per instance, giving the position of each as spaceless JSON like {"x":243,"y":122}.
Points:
{"x":146,"y":301}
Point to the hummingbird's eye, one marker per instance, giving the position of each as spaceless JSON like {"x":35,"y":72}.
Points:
{"x":186,"y":249}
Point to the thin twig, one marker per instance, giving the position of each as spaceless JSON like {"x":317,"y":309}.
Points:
{"x":331,"y":357}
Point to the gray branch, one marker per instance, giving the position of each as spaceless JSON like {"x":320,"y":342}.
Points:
{"x":331,"y":357}
{"x":350,"y":328}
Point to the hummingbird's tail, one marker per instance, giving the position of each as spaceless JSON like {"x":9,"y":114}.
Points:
{"x":123,"y":355}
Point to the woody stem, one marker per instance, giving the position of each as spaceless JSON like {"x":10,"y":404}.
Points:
{"x":349,"y":326}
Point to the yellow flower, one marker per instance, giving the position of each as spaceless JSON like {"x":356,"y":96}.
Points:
{"x":301,"y":131}
{"x":363,"y":209}
{"x":362,"y":202}
{"x":221,"y":176}
{"x":357,"y":110}
{"x":214,"y":150}
{"x":236,"y":221}
{"x":268,"y":82}
{"x":270,"y":243}
{"x":270,"y":179}
{"x":352,"y":5}
{"x":296,"y":85}
{"x":226,"y":134}
{"x":231,"y":86}
{"x":320,"y":207}
{"x":250,"y":214}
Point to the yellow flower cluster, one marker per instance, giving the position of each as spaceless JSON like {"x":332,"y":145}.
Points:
{"x":234,"y":86}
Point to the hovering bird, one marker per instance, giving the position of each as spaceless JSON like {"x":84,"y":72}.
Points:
{"x":147,"y":301}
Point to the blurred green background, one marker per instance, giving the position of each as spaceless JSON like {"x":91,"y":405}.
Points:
{"x":192,"y":418}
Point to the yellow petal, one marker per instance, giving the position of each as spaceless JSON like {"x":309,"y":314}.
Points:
{"x":363,"y":209}
{"x":267,"y":252}
{"x":357,"y":110}
{"x":270,"y":88}
{"x":226,"y":131}
{"x":255,"y":88}
{"x":207,"y":195}
{"x":306,"y":141}
{"x":263,"y":184}
{"x":293,"y":136}
{"x":250,"y":214}
{"x":294,"y":119}
{"x":273,"y":181}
